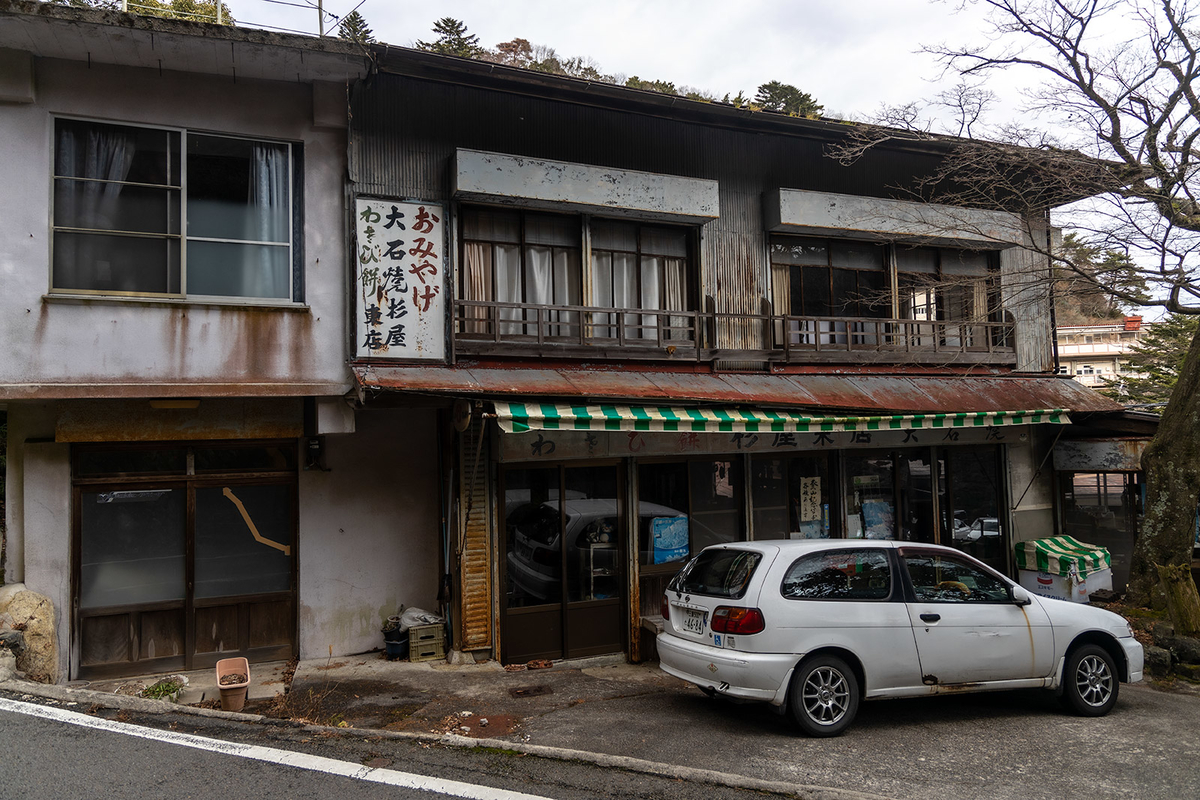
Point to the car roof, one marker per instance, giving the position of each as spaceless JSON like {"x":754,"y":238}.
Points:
{"x":799,"y":546}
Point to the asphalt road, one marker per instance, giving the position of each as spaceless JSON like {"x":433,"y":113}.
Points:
{"x":1017,"y":745}
{"x":52,"y":759}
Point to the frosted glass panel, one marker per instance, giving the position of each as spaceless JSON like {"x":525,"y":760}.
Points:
{"x":132,"y":547}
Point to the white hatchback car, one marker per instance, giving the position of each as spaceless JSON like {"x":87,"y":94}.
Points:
{"x":815,"y":626}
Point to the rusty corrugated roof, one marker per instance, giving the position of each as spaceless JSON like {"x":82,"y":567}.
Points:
{"x":844,"y":393}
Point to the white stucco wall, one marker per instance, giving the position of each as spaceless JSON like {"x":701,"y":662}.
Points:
{"x":110,"y":347}
{"x":25,"y":421}
{"x":369,"y":531}
{"x":47,"y":524}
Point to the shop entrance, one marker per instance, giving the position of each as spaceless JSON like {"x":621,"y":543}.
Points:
{"x":564,"y":562}
{"x":183,"y":555}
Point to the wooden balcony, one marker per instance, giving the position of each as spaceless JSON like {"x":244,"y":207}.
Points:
{"x":623,"y":334}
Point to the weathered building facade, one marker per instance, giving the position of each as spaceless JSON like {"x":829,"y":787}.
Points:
{"x":299,"y":332}
{"x":670,"y":324}
{"x":174,"y":317}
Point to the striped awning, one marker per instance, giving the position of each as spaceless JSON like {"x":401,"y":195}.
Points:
{"x":521,"y":417}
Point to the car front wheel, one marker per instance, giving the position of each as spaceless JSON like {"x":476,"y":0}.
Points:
{"x":1090,"y":682}
{"x":824,"y":696}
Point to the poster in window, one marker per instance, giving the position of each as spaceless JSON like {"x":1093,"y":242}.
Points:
{"x":670,"y":538}
{"x":399,"y":269}
{"x":810,"y":499}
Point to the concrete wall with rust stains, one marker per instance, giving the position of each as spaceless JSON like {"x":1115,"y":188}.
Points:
{"x":47,"y":528}
{"x":369,"y":531}
{"x":59,"y":347}
{"x":26,"y":421}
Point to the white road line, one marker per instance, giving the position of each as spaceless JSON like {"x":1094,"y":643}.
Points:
{"x":271,"y":755}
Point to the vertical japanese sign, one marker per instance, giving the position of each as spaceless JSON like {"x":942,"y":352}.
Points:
{"x":810,"y":499}
{"x":399,"y":275}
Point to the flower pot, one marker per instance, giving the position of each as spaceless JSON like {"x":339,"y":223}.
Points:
{"x":233,"y":691}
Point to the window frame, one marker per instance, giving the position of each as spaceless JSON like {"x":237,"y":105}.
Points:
{"x":911,"y":551}
{"x":294,"y":215}
{"x":560,"y":320}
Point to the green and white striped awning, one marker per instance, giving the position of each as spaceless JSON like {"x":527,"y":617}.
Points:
{"x":522,"y":417}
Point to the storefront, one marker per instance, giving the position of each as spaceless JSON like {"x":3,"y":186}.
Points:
{"x":184,"y":553}
{"x":599,"y":510}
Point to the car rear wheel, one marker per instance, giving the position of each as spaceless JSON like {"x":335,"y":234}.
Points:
{"x":1090,"y":681}
{"x":824,"y":696}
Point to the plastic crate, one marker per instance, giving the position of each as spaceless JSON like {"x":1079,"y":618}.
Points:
{"x":427,"y":642}
{"x":430,"y":651}
{"x":424,"y":634}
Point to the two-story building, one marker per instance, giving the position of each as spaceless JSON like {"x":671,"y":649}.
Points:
{"x":651,"y":324}
{"x":299,"y":331}
{"x":174,"y":317}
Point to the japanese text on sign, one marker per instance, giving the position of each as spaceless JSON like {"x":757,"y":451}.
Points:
{"x":399,"y":272}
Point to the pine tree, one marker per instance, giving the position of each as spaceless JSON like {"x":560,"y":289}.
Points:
{"x":355,"y":28}
{"x":776,"y":96}
{"x":1155,"y":361}
{"x":452,"y":40}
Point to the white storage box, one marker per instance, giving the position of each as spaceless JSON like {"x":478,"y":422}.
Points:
{"x":1066,"y":587}
{"x":1063,"y":568}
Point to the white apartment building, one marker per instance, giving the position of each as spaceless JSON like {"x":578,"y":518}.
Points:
{"x":1092,"y":354}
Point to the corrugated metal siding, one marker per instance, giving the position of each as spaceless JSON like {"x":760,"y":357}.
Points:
{"x":475,"y":560}
{"x":404,"y":133}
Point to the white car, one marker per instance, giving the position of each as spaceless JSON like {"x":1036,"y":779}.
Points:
{"x":815,"y":626}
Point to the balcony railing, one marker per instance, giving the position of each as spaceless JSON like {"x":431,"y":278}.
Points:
{"x":495,"y":328}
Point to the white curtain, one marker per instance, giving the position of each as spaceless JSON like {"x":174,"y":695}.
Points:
{"x":675,"y":297}
{"x":781,"y":301}
{"x":566,"y":292}
{"x":651,"y":294}
{"x":625,"y":289}
{"x":602,"y":294}
{"x":477,"y":286}
{"x":539,"y":285}
{"x":508,"y":285}
{"x":265,"y":269}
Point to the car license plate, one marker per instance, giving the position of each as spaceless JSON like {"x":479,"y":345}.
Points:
{"x":693,"y":621}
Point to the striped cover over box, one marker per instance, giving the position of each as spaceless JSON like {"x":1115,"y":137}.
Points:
{"x":1059,"y":555}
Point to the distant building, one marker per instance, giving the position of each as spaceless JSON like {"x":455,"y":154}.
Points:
{"x":1092,"y":354}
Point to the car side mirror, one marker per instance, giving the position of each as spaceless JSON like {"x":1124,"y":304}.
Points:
{"x":1020,"y":597}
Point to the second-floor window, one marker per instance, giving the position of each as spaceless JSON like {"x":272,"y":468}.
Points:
{"x":523,"y":275}
{"x":170,"y":212}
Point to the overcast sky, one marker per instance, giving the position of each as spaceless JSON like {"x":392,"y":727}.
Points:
{"x":851,"y":55}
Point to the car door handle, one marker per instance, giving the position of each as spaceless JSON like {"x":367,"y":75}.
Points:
{"x":930,"y":617}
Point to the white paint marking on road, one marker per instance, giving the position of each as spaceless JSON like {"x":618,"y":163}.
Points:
{"x":271,"y":755}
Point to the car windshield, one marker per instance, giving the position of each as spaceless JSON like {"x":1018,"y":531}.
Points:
{"x":717,"y":573}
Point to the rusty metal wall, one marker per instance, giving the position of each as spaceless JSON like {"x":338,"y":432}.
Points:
{"x":474,"y":551}
{"x":405,"y":132}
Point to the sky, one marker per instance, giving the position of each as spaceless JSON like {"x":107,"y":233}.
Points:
{"x":851,"y":55}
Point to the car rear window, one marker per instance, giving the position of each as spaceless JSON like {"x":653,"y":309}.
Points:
{"x":717,"y":573}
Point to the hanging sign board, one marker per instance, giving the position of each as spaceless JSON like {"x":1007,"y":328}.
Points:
{"x":399,"y":269}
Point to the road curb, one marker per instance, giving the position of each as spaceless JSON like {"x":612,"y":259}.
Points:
{"x":628,"y":763}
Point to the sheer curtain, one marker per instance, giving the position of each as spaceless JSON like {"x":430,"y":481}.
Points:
{"x":266,"y":269}
{"x":675,"y":297}
{"x":477,"y":286}
{"x":781,"y":302}
{"x":100,"y":154}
